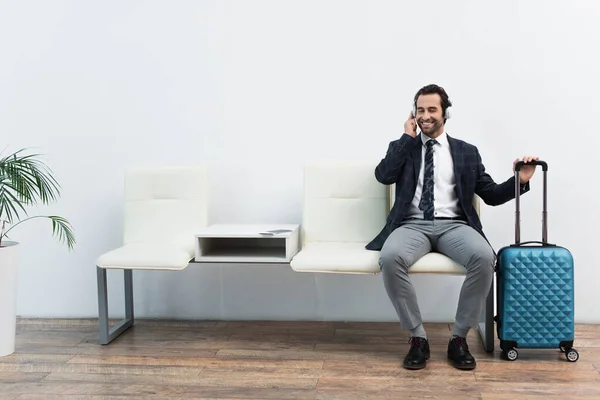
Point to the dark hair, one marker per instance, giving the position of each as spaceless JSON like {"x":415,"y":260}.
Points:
{"x":433,"y":89}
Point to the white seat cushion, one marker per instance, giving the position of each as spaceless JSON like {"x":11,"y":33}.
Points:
{"x":353,"y":258}
{"x":155,"y":256}
{"x":336,"y":257}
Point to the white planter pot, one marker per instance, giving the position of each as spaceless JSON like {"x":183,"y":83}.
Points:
{"x":9,"y":262}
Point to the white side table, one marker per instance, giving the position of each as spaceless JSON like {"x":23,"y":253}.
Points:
{"x":225,"y":243}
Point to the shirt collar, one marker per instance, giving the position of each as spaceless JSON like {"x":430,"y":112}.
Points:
{"x":442,"y":139}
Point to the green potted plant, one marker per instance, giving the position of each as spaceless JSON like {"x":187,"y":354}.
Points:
{"x":25,"y":181}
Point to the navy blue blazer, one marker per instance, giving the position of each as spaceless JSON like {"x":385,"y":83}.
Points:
{"x":402,"y":164}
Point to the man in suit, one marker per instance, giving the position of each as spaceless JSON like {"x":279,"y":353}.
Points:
{"x":436,"y":178}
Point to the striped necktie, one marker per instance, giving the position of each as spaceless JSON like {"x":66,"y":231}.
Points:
{"x":427,"y":198}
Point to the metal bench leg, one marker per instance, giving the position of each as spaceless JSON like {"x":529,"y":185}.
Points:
{"x":486,"y":328}
{"x":107,"y":334}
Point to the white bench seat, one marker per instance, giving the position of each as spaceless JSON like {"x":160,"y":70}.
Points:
{"x":164,"y":208}
{"x":336,"y":257}
{"x":353,"y":258}
{"x":147,"y":256}
{"x":344,"y":208}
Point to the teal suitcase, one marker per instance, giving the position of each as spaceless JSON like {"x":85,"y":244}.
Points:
{"x":535,"y":290}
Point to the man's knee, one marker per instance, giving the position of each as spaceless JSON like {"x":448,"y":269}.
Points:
{"x":391,"y":261}
{"x":483,"y":260}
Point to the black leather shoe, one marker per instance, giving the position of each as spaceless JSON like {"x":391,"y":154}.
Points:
{"x":418,"y":353}
{"x":458,"y":353}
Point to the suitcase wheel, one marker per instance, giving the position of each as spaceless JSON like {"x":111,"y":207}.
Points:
{"x":510,"y":354}
{"x":572,"y":355}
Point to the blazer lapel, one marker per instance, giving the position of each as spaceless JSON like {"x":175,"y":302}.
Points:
{"x":458,"y":161}
{"x":416,"y":153}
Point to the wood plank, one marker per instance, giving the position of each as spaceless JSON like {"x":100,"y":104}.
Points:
{"x":112,"y":350}
{"x":206,"y":344}
{"x":97,"y":389}
{"x":88,"y":330}
{"x":235,"y":381}
{"x":8,"y":378}
{"x":436,"y":368}
{"x":554,"y":364}
{"x":515,"y":376}
{"x":411,"y":392}
{"x":100,"y":369}
{"x":184,"y":379}
{"x":586,"y":342}
{"x":193,"y":361}
{"x":292,"y":354}
{"x":251,"y":393}
{"x":51,"y":334}
{"x":151,"y":334}
{"x":510,"y":396}
{"x":587,"y":328}
{"x":362,"y":347}
{"x":41,"y":341}
{"x":311,"y":373}
{"x":547,"y":389}
{"x":42,"y":396}
{"x":419,"y":383}
{"x":308,"y":341}
{"x":29,"y":359}
{"x":74,"y":323}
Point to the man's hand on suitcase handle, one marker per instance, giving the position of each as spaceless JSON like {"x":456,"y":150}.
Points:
{"x":526,"y":171}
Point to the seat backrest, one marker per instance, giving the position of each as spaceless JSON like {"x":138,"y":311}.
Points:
{"x":343,"y":202}
{"x":165,"y":204}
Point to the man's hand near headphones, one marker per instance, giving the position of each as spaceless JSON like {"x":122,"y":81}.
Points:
{"x":410,"y":126}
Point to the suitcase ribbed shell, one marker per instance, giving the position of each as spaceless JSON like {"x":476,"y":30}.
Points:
{"x":536,"y":296}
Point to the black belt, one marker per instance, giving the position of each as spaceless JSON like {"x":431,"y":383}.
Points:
{"x":439,"y":218}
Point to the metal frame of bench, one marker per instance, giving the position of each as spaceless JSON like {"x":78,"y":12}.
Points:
{"x":106,"y":333}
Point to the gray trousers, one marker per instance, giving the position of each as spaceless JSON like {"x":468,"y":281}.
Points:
{"x":457,"y":240}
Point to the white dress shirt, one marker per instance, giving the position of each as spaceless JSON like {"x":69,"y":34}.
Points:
{"x":445,"y":200}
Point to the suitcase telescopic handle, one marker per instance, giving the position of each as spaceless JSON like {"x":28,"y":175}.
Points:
{"x":520,"y":164}
{"x":518,"y":167}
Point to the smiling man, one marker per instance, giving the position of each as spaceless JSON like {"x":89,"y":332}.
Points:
{"x":436,"y":178}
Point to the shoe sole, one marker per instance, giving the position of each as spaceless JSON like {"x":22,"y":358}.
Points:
{"x":463,"y":367}
{"x":413,"y":367}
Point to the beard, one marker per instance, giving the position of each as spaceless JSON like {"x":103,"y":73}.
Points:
{"x":432,"y":128}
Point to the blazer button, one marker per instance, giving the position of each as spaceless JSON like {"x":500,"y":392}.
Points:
{"x":407,"y":205}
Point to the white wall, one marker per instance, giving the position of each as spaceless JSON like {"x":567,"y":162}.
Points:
{"x":254,"y":89}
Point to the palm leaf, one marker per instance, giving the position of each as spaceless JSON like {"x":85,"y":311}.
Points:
{"x":26,"y":181}
{"x":62,"y":228}
{"x":9,"y":202}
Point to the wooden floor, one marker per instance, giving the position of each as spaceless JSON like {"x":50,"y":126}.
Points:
{"x":61,"y":360}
